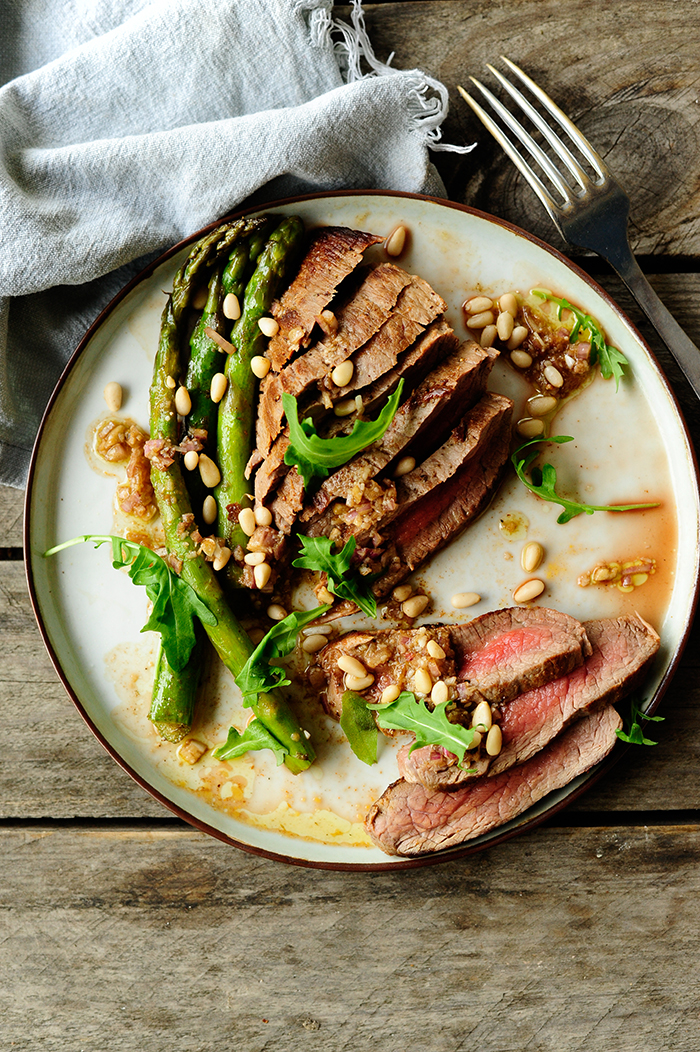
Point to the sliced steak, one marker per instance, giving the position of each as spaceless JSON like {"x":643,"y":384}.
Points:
{"x":421,"y":423}
{"x":506,"y":652}
{"x":358,"y":320}
{"x":333,"y":254}
{"x":623,"y":649}
{"x":409,"y":819}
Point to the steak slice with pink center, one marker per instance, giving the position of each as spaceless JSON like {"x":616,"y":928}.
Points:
{"x":410,"y":820}
{"x":623,"y":648}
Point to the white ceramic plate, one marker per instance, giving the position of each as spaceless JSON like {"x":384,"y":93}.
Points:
{"x":630,"y":446}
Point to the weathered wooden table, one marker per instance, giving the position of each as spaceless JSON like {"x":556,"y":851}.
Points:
{"x":123,"y":928}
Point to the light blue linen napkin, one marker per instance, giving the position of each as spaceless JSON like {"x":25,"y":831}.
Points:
{"x":126,"y":125}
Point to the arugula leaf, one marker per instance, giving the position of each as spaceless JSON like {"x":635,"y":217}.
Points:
{"x":543,"y":481}
{"x":317,"y":554}
{"x":257,"y":675}
{"x":359,"y":727}
{"x":255,"y":736}
{"x":175,"y":603}
{"x":430,"y":728}
{"x":633,"y":733}
{"x":611,"y":360}
{"x":315,"y":456}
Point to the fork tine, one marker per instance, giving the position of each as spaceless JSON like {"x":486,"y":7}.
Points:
{"x":527,"y":141}
{"x":568,"y":125}
{"x":560,"y":148}
{"x":533,"y":179}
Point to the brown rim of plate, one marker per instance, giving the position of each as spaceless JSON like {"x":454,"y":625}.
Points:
{"x":522,"y":823}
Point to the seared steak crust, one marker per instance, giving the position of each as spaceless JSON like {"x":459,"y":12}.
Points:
{"x":409,"y":819}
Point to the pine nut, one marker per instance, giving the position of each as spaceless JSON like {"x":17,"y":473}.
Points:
{"x":440,"y":692}
{"x":462,"y":600}
{"x":263,"y":516}
{"x":488,"y":336}
{"x":353,"y":666}
{"x":480,"y":321}
{"x":217,"y":390}
{"x":191,"y":750}
{"x":170,"y":382}
{"x":394,"y":244}
{"x":232,"y":307}
{"x":358,"y":403}
{"x":259,"y":366}
{"x":494,"y":740}
{"x":254,"y":558}
{"x":402,"y":592}
{"x":403,"y":467}
{"x":345,"y":408}
{"x":390,"y":694}
{"x":482,"y":716}
{"x":191,"y":459}
{"x":528,"y":590}
{"x":504,"y":324}
{"x":268,"y":326}
{"x":422,"y":681}
{"x":435,"y":650}
{"x":113,"y":396}
{"x":519,"y":334}
{"x":540,"y":405}
{"x":276,"y":612}
{"x":324,"y":596}
{"x":529,"y":428}
{"x":211,"y":476}
{"x":312,"y":644}
{"x":262,"y":574}
{"x":553,"y":376}
{"x":246,"y":520}
{"x":521,"y":359}
{"x":327,"y":321}
{"x":343,"y":373}
{"x":209,"y":510}
{"x":222,"y":558}
{"x":477,"y":304}
{"x":509,"y":302}
{"x":415,"y":606}
{"x":531,"y":556}
{"x":359,"y":682}
{"x":475,"y":742}
{"x":183,"y":402}
{"x":199,"y":299}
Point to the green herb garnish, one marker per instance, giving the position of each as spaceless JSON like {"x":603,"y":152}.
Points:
{"x":317,"y":554}
{"x":359,"y":727}
{"x":611,"y":360}
{"x":257,"y":675}
{"x":542,"y":482}
{"x":430,"y":728}
{"x":175,"y":603}
{"x":255,"y":736}
{"x":317,"y":457}
{"x":633,"y":733}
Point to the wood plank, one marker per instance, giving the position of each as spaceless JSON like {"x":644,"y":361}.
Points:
{"x":567,"y":940}
{"x":633,"y":93}
{"x":11,"y":511}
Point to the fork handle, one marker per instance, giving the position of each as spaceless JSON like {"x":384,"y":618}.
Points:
{"x":681,"y":347}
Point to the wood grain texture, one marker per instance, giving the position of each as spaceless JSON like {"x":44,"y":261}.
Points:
{"x":630,"y":82}
{"x":155,"y":940}
{"x":11,"y":510}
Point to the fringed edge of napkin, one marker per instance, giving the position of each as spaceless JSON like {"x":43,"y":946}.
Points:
{"x":427,"y":99}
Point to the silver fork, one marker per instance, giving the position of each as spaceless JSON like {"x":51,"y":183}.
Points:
{"x":592,"y":214}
